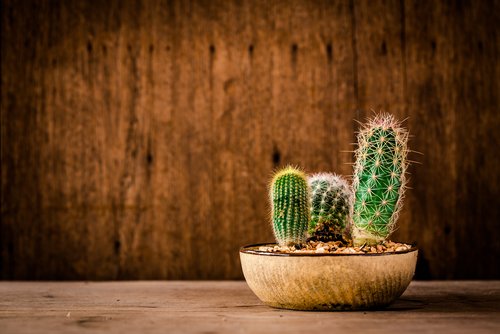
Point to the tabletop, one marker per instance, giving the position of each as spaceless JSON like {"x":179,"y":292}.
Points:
{"x":231,"y":307}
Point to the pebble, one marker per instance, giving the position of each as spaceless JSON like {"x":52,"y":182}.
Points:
{"x":335,"y":247}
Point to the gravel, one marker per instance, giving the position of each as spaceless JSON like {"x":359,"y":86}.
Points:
{"x":337,"y":247}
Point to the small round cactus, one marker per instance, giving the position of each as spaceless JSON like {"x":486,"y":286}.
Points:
{"x":290,"y":206}
{"x":331,"y":203}
{"x":379,"y":179}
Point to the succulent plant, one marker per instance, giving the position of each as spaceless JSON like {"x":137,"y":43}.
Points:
{"x":331,"y":203}
{"x":290,"y":206}
{"x":379,"y":179}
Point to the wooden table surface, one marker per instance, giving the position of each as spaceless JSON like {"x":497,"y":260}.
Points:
{"x":230,"y":307}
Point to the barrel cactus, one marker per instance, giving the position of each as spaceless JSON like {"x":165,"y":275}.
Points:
{"x":379,"y":179}
{"x":290,"y":206}
{"x":330,"y":206}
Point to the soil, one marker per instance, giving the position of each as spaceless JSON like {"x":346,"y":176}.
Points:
{"x":337,"y":247}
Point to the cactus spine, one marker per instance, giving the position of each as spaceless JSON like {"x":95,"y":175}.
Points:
{"x":379,"y":179}
{"x":290,"y":206}
{"x":331,"y":202}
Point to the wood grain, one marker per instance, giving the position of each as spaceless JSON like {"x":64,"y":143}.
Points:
{"x":229,"y":307}
{"x":137,"y":138}
{"x":452,"y":88}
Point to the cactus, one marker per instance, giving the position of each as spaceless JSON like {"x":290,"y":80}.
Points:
{"x":379,"y":179}
{"x":290,"y":206}
{"x":331,"y":202}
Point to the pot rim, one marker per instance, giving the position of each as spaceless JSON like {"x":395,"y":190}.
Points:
{"x":246,"y":250}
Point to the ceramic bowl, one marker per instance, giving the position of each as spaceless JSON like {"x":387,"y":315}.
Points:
{"x":327,"y":281}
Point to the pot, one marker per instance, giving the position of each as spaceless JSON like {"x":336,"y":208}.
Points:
{"x":311,"y":281}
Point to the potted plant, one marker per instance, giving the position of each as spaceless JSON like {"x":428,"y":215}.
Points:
{"x":332,"y":250}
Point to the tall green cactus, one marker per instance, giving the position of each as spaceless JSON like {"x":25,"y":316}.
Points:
{"x":331,"y":202}
{"x":290,"y":206}
{"x":379,"y":179}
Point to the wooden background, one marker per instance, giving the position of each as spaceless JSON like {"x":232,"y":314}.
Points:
{"x":137,"y":138}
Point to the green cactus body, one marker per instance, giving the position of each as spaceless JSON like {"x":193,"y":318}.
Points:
{"x":290,"y":206}
{"x":330,"y":206}
{"x":379,"y":179}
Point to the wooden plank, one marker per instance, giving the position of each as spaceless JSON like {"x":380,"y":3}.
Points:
{"x":313,"y":90}
{"x":380,"y":45}
{"x":452,"y":87}
{"x":229,"y":307}
{"x":430,"y":93}
{"x":137,"y":140}
{"x":435,"y":65}
{"x":156,"y":127}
